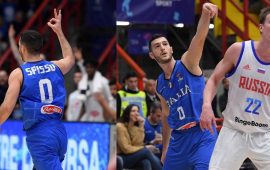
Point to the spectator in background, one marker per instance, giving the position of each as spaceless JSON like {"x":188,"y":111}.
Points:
{"x":14,"y":47}
{"x":3,"y":84}
{"x":19,"y":21}
{"x":95,"y":91}
{"x":9,"y":8}
{"x":75,"y":105}
{"x":131,"y":94}
{"x":153,"y":128}
{"x":3,"y":33}
{"x":113,"y":90}
{"x":79,"y":59}
{"x":151,"y":96}
{"x":130,"y":141}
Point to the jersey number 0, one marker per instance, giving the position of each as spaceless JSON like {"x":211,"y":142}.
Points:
{"x":181,"y":113}
{"x":45,"y":97}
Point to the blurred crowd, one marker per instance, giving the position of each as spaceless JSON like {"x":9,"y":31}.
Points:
{"x":14,"y":12}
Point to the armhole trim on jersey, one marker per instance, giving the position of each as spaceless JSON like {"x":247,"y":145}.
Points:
{"x":58,"y":69}
{"x":256,"y":56}
{"x":229,"y":74}
{"x":190,"y":72}
{"x":22,"y":79}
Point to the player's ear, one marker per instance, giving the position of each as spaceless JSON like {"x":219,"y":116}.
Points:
{"x":23,"y":48}
{"x":151,"y":55}
{"x":260,"y":28}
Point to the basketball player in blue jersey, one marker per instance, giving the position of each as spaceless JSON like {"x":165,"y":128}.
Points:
{"x":180,"y":88}
{"x":246,"y":128}
{"x":39,"y":84}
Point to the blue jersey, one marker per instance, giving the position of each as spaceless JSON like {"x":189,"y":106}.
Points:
{"x":43,"y":93}
{"x":151,"y":130}
{"x":183,"y":93}
{"x":150,"y":133}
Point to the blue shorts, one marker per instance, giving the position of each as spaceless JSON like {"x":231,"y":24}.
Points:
{"x":47,"y":144}
{"x":190,"y":149}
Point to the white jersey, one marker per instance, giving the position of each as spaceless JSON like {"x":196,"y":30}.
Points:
{"x":94,"y":111}
{"x":74,"y":106}
{"x":248,"y":107}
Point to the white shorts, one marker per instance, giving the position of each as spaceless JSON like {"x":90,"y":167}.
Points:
{"x":233,"y":147}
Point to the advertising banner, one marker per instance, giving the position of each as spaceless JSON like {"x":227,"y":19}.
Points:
{"x":156,"y":11}
{"x":88,"y":146}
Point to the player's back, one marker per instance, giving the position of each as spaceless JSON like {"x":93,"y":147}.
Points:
{"x":43,"y":94}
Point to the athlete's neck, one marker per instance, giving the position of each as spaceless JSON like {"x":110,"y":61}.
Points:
{"x":168,"y":68}
{"x":262,"y":49}
{"x":32,"y":58}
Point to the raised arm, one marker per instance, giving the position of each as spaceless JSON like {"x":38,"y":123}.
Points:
{"x":13,"y":45}
{"x":68,"y":60}
{"x":12,"y":94}
{"x":224,"y":66}
{"x":191,"y":58}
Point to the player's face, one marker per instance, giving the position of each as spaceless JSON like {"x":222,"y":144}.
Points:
{"x":134,"y":114}
{"x":161,"y":50}
{"x":265,"y":28}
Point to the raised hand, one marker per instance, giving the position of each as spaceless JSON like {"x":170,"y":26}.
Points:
{"x":55,"y":22}
{"x":210,"y":9}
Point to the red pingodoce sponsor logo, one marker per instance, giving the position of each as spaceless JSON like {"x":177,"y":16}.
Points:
{"x":49,"y":109}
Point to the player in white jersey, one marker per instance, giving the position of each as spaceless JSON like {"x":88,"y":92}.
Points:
{"x":245,"y":132}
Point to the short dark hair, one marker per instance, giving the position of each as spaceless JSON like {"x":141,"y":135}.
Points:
{"x":155,"y":36}
{"x":264,"y":12}
{"x":91,"y":61}
{"x":154,"y":106}
{"x":129,"y":75}
{"x":32,"y":40}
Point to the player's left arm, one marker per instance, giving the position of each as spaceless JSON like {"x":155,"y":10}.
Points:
{"x":191,"y":58}
{"x":12,"y":94}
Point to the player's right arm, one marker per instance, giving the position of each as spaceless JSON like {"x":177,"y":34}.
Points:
{"x":12,"y":94}
{"x":224,"y":66}
{"x":191,"y":58}
{"x":166,"y":130}
{"x":68,"y":60}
